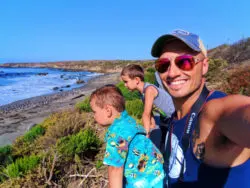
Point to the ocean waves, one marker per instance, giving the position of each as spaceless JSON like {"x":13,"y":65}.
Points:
{"x":22,"y":83}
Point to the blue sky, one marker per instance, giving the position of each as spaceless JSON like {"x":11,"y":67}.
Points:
{"x":54,"y":30}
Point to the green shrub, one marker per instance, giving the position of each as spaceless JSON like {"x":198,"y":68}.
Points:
{"x":5,"y":159}
{"x":81,"y":143}
{"x":215,"y":72}
{"x":62,"y":124}
{"x":84,"y":105}
{"x":151,"y":70}
{"x":5,"y":155}
{"x":128,"y":95}
{"x":99,"y":164}
{"x":33,"y":133}
{"x":147,"y":64}
{"x":24,"y":145}
{"x":149,"y":77}
{"x":21,"y":166}
{"x":135,"y":108}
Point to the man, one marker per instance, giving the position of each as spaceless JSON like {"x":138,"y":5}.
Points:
{"x":208,"y":141}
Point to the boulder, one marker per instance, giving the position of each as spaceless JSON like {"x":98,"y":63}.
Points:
{"x":55,"y":88}
{"x":80,"y":81}
{"x":42,"y":73}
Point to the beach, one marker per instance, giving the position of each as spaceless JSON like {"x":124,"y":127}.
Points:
{"x":18,"y":117}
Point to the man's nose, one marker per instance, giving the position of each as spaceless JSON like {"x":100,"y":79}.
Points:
{"x":173,"y":71}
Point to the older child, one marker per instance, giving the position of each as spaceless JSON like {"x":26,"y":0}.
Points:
{"x":132,"y":159}
{"x":154,"y":98}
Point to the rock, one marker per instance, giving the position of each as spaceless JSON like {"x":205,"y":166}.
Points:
{"x":42,"y":74}
{"x":55,"y":88}
{"x":80,"y":81}
{"x":67,"y":86}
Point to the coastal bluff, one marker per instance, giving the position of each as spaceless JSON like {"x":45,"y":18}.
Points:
{"x":100,"y":66}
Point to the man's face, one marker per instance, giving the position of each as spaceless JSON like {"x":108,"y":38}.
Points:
{"x":129,"y":83}
{"x":180,"y":83}
{"x":100,"y":114}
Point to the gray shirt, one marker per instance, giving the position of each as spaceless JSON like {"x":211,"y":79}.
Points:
{"x":163,"y":100}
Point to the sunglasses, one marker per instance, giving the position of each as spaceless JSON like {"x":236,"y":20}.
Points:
{"x":183,"y":62}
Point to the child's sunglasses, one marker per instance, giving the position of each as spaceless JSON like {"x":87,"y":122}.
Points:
{"x":183,"y":62}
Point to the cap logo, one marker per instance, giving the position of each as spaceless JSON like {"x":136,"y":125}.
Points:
{"x":180,"y":32}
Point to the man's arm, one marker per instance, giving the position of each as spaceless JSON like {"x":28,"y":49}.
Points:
{"x":150,"y":94}
{"x":115,"y":175}
{"x":231,"y":116}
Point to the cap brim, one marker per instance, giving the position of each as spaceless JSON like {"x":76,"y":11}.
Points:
{"x":159,"y":43}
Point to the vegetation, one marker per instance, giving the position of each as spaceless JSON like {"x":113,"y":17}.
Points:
{"x":150,"y":77}
{"x":84,"y":105}
{"x":135,"y":108}
{"x":33,"y":133}
{"x":237,"y":81}
{"x":83,"y":143}
{"x":68,"y":145}
{"x":234,"y":54}
{"x":216,"y":71}
{"x":129,"y":96}
{"x":6,"y":155}
{"x":21,"y":166}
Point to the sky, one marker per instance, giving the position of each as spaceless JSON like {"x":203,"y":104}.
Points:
{"x":57,"y":30}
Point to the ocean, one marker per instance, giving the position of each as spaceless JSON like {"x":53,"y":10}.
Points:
{"x":22,"y":83}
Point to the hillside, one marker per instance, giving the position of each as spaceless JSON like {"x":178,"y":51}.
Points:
{"x":104,"y":66}
{"x":236,"y":53}
{"x":229,"y":68}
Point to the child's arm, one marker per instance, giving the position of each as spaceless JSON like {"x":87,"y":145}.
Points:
{"x":150,"y":94}
{"x":152,"y":121}
{"x":115,"y":175}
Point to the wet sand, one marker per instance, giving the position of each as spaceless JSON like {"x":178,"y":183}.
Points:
{"x":18,"y":117}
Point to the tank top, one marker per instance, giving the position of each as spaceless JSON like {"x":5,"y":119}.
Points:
{"x":197,"y":174}
{"x":163,"y":103}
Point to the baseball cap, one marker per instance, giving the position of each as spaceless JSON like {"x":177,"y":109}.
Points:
{"x":190,"y":39}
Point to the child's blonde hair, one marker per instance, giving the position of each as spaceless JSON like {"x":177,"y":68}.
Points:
{"x":109,"y":94}
{"x":133,"y":71}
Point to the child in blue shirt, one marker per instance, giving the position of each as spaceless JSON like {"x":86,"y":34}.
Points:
{"x":132,"y":159}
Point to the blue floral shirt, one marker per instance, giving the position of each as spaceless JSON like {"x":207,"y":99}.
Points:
{"x":142,"y":161}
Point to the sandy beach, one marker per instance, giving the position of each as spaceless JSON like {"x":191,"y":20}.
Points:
{"x":18,"y":117}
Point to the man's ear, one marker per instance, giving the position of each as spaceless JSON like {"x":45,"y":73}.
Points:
{"x":205,"y":66}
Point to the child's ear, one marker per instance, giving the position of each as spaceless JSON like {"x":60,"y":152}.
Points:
{"x":109,"y":110}
{"x":138,"y":80}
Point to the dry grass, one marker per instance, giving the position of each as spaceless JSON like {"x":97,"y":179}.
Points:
{"x":238,"y":81}
{"x":62,"y":124}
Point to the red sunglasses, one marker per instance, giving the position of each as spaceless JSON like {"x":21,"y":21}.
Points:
{"x":183,"y":62}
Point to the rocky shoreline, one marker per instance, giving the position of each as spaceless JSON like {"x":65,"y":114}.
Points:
{"x":18,"y":117}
